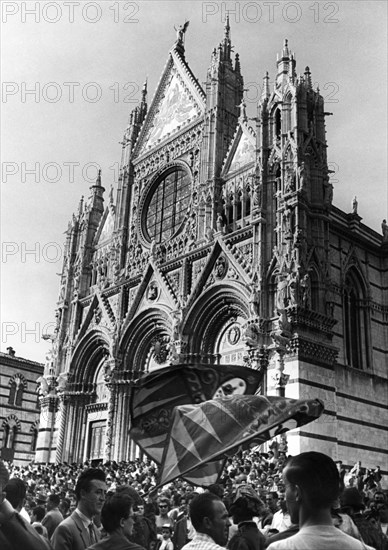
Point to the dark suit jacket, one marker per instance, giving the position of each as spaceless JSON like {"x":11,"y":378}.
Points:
{"x":51,"y":521}
{"x":116,"y":542}
{"x":16,"y":533}
{"x":72,"y":535}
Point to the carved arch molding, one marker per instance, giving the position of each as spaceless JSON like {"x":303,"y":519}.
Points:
{"x":207,"y":318}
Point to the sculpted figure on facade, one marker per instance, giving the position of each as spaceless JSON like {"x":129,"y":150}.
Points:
{"x":302,"y":176}
{"x":354,"y":205}
{"x":289,"y":181}
{"x":292,"y":286}
{"x":305,"y":288}
{"x":43,"y":386}
{"x":180,"y":32}
{"x":62,"y":382}
{"x":220,"y":223}
{"x":287,"y":217}
{"x":176,"y":324}
{"x":384,"y":229}
{"x":281,"y":293}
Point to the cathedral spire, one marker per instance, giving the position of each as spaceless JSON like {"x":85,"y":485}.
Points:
{"x":98,"y":180}
{"x":227,"y":27}
{"x":143,"y":102}
{"x":307,"y":78}
{"x":283,"y":63}
{"x":285,"y":52}
{"x":81,"y":206}
{"x":266,"y":93}
{"x":226,"y":44}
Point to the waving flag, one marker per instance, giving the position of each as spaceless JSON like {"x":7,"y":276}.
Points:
{"x":202,"y":434}
{"x":155,"y":396}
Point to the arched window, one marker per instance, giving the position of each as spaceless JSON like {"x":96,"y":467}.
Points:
{"x":17,"y":384}
{"x":34,"y":438}
{"x":10,"y":427}
{"x":5,"y":435}
{"x":12,"y":393}
{"x":355,"y":320}
{"x":278,"y":123}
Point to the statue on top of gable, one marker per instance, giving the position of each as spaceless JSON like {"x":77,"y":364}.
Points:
{"x":180,"y":32}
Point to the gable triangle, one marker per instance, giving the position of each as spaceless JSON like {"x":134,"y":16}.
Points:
{"x":178,"y":101}
{"x":106,"y":227}
{"x":242,"y":151}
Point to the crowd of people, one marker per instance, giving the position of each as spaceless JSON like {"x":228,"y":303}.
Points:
{"x":118,"y":505}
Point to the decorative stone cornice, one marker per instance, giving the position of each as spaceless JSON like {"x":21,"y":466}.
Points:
{"x":96,"y":407}
{"x":308,"y":350}
{"x":49,"y":403}
{"x":300,"y":316}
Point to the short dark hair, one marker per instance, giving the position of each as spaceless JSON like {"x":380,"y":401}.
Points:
{"x":116,"y":506}
{"x":54,"y":499}
{"x":201,"y":506}
{"x":84,"y":479}
{"x":16,"y":491}
{"x":39,"y":512}
{"x":65,"y":504}
{"x":317,"y":474}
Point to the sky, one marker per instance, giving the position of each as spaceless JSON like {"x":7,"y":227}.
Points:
{"x":72,"y":71}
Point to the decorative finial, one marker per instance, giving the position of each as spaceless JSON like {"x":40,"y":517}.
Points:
{"x":237,"y":63}
{"x":227,"y":26}
{"x":98,"y":180}
{"x":81,"y":206}
{"x":266,"y":92}
{"x":144,"y":90}
{"x":307,"y":75}
{"x":285,"y":52}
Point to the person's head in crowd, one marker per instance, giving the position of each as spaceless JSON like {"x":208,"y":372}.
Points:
{"x":312,"y":485}
{"x":64,"y":507}
{"x":380,"y":505}
{"x":166,"y":531}
{"x":117,"y":513}
{"x":53,"y":502}
{"x":246,"y":504}
{"x":132,"y":493}
{"x":271,"y":501}
{"x":37,"y":514}
{"x":15,"y":491}
{"x":210,"y":517}
{"x":90,"y":491}
{"x":379,"y":498}
{"x":139,"y":509}
{"x":351,"y":501}
{"x":41,"y":499}
{"x":163,"y":506}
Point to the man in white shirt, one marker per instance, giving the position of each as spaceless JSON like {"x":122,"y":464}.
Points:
{"x":312,"y":485}
{"x":211,"y":522}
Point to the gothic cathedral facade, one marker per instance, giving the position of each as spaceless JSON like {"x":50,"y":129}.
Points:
{"x":222,"y":246}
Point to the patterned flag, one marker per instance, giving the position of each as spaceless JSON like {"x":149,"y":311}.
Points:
{"x":202,"y":434}
{"x":155,"y":396}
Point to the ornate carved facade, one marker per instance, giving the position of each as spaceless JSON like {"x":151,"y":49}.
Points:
{"x":222,"y":246}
